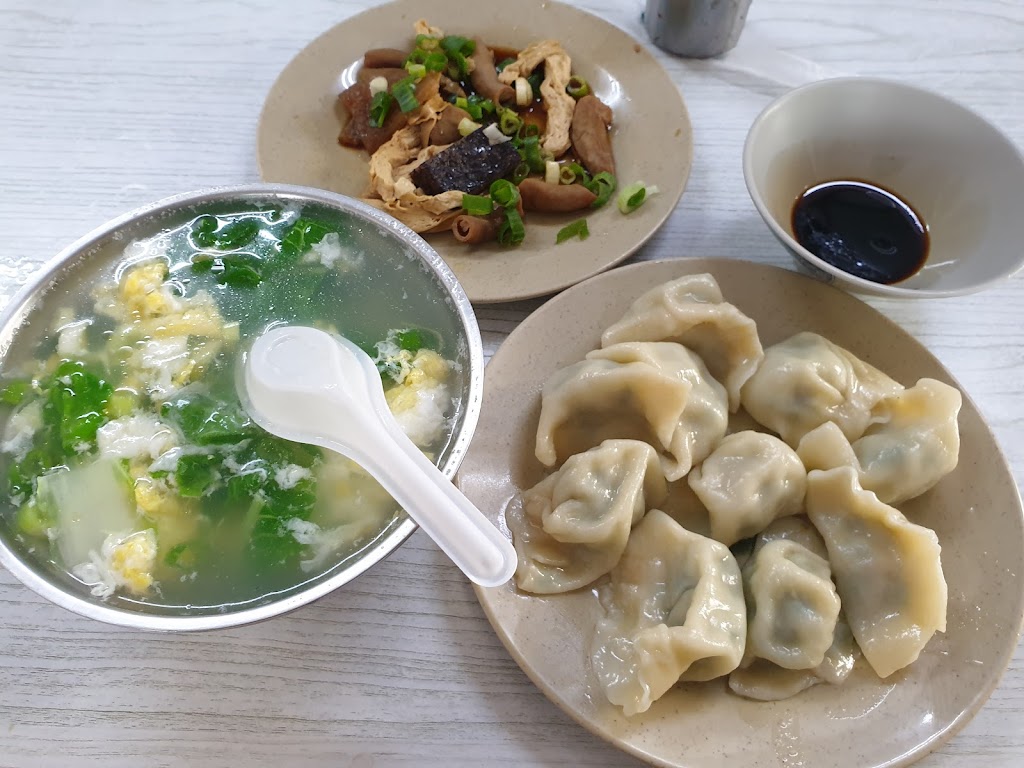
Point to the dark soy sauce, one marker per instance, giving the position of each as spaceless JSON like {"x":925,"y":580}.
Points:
{"x":862,"y":229}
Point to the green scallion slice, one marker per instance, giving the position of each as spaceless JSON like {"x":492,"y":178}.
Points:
{"x":470,"y":107}
{"x":435,"y":61}
{"x":486,"y":105}
{"x":529,"y":129}
{"x":405,"y":95}
{"x":509,"y":122}
{"x":511,"y":231}
{"x":416,"y":70}
{"x":577,"y":228}
{"x":427,"y":43}
{"x":380,"y":105}
{"x":602,"y":185}
{"x":457,"y":44}
{"x":577,"y":87}
{"x":535,"y":81}
{"x":531,"y":154}
{"x":477,"y":205}
{"x":581,"y":173}
{"x":503,"y":63}
{"x":521,"y":172}
{"x":566,"y":175}
{"x":633,"y":196}
{"x":457,"y":66}
{"x":504,"y":193}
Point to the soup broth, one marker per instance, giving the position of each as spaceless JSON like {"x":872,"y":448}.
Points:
{"x":129,"y":465}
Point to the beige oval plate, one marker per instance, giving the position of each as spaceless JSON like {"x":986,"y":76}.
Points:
{"x":976,"y":512}
{"x":297,"y":140}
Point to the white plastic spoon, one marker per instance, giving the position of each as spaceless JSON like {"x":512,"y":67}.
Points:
{"x":309,"y":386}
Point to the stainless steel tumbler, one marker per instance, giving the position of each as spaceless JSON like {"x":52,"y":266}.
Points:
{"x":695,"y":28}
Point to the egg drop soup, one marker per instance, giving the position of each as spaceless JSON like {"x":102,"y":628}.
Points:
{"x":128,"y":468}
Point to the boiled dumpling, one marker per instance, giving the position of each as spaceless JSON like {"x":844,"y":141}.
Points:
{"x":762,"y":679}
{"x":658,"y":393}
{"x":792,"y":605}
{"x":765,"y":681}
{"x":806,"y":381}
{"x":572,"y":527}
{"x":692,"y":312}
{"x":705,"y":418}
{"x":750,"y":479}
{"x":887,"y":570}
{"x":674,"y":611}
{"x":594,"y":400}
{"x":913,"y":443}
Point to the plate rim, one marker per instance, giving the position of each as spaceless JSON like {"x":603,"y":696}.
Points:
{"x":418,"y":7}
{"x":936,"y":740}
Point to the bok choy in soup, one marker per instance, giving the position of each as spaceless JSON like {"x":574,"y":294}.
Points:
{"x":128,"y":463}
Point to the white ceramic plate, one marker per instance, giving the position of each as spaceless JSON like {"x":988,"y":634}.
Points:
{"x":865,"y":723}
{"x":297,"y":141}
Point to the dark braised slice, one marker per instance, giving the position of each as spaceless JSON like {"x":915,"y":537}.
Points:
{"x":384,"y":57}
{"x":357,"y":131}
{"x":446,"y":129}
{"x":590,"y":138}
{"x":469,"y":165}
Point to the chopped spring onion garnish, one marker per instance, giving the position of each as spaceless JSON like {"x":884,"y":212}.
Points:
{"x":456,"y":44}
{"x":577,"y":87}
{"x":552,"y":172}
{"x":503,"y":63}
{"x":524,"y":92}
{"x":504,"y":193}
{"x":529,"y":150}
{"x":458,"y":67}
{"x":427,"y":43}
{"x":475,"y":106}
{"x":380,"y":105}
{"x":378,"y":85}
{"x":521,"y":172}
{"x":477,"y":205}
{"x":486,"y":105}
{"x":405,"y":94}
{"x":577,"y":228}
{"x":602,"y":185}
{"x":467,"y":126}
{"x":416,"y":70}
{"x":495,"y":136}
{"x":566,"y":175}
{"x":581,"y":173}
{"x":509,"y":122}
{"x":527,"y":130}
{"x":535,"y":81}
{"x":435,"y":61}
{"x":511,"y":231}
{"x":633,"y":196}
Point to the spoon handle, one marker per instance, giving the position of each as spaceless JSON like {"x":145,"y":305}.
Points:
{"x":471,"y":541}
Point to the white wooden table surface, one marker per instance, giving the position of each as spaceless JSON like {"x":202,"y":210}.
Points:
{"x":109,"y":104}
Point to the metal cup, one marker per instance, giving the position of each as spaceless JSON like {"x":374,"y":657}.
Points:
{"x":695,"y":28}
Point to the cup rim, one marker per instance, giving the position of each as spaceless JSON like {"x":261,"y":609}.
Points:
{"x":858,"y":283}
{"x":16,"y":311}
